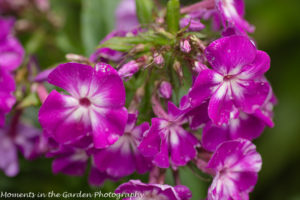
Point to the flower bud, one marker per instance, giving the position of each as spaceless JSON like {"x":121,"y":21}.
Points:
{"x":185,"y":46}
{"x":165,"y":90}
{"x":178,"y":69}
{"x":128,"y":70}
{"x":158,"y":59}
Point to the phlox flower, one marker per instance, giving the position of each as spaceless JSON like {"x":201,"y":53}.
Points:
{"x":95,"y":104}
{"x":235,"y":81}
{"x":236,"y":164}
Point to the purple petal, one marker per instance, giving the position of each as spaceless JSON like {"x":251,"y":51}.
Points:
{"x":221,"y":107}
{"x":126,"y":18}
{"x":73,"y":164}
{"x":6,"y":25}
{"x":250,"y":95}
{"x":258,"y":67}
{"x":229,"y":54}
{"x":43,"y":76}
{"x":183,"y":146}
{"x":204,"y":86}
{"x":11,"y":54}
{"x":198,"y":116}
{"x":58,"y":119}
{"x":108,"y":125}
{"x":213,"y":135}
{"x":97,"y":178}
{"x":117,"y":160}
{"x":9,"y":155}
{"x":150,"y":144}
{"x":71,"y":77}
{"x":162,"y":158}
{"x":183,"y":192}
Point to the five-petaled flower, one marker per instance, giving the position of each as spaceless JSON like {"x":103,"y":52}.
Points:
{"x":235,"y":81}
{"x":167,"y":137}
{"x":95,"y":105}
{"x":236,"y":164}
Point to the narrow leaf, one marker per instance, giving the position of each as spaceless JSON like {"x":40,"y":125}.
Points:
{"x":173,"y":15}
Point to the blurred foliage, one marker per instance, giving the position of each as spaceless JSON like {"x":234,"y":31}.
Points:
{"x":84,"y":23}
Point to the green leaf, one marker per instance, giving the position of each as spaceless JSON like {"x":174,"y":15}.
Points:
{"x":118,"y":44}
{"x":173,"y":15}
{"x":144,"y":10}
{"x":127,"y":43}
{"x":97,"y":20}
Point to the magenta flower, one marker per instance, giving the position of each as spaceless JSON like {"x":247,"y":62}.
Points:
{"x":167,"y":137}
{"x":140,"y":190}
{"x":236,"y":164}
{"x":95,"y":105}
{"x":236,"y":81}
{"x":7,"y":100}
{"x":123,"y":158}
{"x":232,"y":12}
{"x":11,"y":51}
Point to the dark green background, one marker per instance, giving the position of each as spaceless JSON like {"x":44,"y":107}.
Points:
{"x":277,"y":32}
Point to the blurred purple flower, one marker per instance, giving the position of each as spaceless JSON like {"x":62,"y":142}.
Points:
{"x":7,"y":100}
{"x":22,"y":137}
{"x":126,"y":18}
{"x":11,"y":51}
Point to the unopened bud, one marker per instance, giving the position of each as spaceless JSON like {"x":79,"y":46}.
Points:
{"x":158,"y":59}
{"x":128,"y":70}
{"x":185,"y":46}
{"x":165,"y":90}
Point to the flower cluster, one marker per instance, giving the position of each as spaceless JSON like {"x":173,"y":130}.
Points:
{"x":11,"y":56}
{"x":157,"y":94}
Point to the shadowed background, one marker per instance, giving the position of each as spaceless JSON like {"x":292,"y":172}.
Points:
{"x":277,"y":24}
